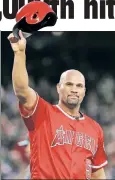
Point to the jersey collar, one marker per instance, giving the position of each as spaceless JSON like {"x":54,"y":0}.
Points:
{"x":73,"y":118}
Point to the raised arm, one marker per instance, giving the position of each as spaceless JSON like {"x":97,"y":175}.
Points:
{"x":20,"y":80}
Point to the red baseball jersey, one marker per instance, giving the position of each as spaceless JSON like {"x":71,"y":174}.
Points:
{"x":62,"y":147}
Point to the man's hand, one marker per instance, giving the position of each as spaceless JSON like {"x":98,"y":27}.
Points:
{"x":99,"y":174}
{"x":17,"y":45}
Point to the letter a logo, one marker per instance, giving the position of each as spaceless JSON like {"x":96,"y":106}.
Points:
{"x":59,"y":137}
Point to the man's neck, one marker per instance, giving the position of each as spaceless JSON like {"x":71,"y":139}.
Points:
{"x":72,"y":112}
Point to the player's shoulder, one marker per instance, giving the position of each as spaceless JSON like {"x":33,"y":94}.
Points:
{"x":93,"y":123}
{"x":45,"y":103}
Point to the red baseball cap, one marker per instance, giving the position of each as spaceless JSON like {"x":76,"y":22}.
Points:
{"x":34,"y":16}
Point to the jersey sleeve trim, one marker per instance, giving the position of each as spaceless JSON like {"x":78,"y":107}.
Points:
{"x":101,"y":165}
{"x":33,"y":111}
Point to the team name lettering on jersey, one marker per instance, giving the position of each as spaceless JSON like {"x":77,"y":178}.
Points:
{"x":70,"y":137}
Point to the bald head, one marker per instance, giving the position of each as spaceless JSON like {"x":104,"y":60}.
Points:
{"x":72,"y":73}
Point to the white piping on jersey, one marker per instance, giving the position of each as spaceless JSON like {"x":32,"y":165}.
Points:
{"x":32,"y":112}
{"x":81,"y":118}
{"x":96,"y":167}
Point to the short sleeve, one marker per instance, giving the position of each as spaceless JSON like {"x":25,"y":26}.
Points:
{"x":100,"y":158}
{"x":34,"y":116}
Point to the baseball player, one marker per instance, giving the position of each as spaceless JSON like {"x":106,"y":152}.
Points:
{"x":64,"y":142}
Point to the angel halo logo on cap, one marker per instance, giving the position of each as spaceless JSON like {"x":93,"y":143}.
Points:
{"x":34,"y":16}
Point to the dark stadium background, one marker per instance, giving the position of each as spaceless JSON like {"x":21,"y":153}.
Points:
{"x":48,"y":55}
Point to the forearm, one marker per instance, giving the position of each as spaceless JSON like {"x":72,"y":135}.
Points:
{"x":19,"y":73}
{"x":20,"y":80}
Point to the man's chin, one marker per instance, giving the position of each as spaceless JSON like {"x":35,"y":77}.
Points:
{"x":72,"y":104}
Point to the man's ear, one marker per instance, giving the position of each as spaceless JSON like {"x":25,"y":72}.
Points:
{"x":85,"y":91}
{"x":58,"y":87}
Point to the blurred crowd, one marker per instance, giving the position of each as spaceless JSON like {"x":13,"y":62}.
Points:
{"x":99,"y":104}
